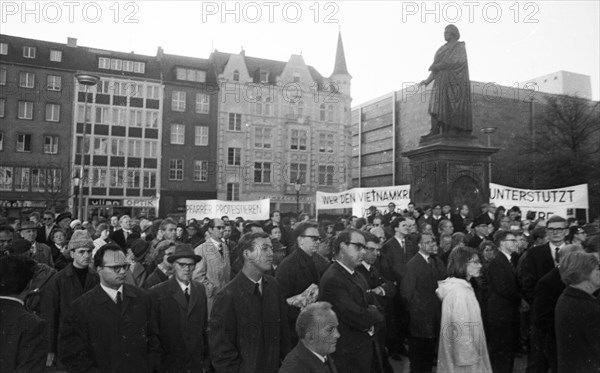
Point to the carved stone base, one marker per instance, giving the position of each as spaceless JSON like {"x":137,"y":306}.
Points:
{"x":450,"y":169}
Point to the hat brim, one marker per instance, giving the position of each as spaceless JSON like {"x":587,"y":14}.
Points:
{"x":173,"y":258}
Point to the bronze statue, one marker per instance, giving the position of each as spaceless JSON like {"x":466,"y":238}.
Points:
{"x":450,"y":104}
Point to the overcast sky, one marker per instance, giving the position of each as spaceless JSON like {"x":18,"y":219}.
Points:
{"x":388,"y":44}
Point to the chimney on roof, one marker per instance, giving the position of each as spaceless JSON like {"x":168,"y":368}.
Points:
{"x":159,"y":52}
{"x":72,"y":42}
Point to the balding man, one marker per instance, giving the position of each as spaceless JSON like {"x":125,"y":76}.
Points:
{"x":316,"y":327}
{"x":214,"y":270}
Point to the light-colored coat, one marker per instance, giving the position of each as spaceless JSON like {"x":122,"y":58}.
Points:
{"x":213,"y":271}
{"x":462,"y":346}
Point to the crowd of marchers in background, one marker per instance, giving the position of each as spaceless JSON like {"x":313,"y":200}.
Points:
{"x":450,"y":290}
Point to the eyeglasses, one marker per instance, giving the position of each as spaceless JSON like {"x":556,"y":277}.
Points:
{"x":314,"y":238}
{"x":118,"y":268}
{"x":361,"y":246}
{"x":219,"y":227}
{"x":555,"y":230}
{"x":186,"y":265}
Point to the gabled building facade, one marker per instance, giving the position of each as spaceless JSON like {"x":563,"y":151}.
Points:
{"x":281,"y":123}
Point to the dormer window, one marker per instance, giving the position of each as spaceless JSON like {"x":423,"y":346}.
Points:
{"x":296,"y":78}
{"x":264,"y":77}
{"x":29,"y":52}
{"x":236,"y":76}
{"x":55,"y":55}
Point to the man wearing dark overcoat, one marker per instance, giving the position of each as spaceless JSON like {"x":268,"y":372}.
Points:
{"x":346,"y":290}
{"x":179,"y":316}
{"x":108,"y":327}
{"x":248,"y":322}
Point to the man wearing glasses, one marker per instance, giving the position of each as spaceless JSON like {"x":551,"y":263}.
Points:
{"x":346,"y":290}
{"x":214,"y":270}
{"x":179,"y":316}
{"x":68,"y":284}
{"x":298,"y":271}
{"x":503,"y":303}
{"x":108,"y":327}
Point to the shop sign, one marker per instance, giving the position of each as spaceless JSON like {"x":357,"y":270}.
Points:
{"x":105,"y":202}
{"x":22,"y":204}
{"x":151,"y":202}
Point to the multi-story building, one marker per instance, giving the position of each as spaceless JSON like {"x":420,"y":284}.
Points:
{"x":281,"y":124}
{"x":562,"y":83}
{"x":36,"y":96}
{"x":188,"y":162}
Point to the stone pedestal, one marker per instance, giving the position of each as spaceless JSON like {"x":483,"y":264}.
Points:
{"x":450,"y":169}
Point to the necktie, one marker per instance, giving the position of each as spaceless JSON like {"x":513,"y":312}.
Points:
{"x":119,"y":300}
{"x":556,"y":256}
{"x":221,"y":249}
{"x":257,"y":290}
{"x":187,"y":294}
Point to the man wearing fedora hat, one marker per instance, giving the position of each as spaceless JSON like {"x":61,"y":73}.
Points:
{"x":179,"y":317}
{"x":40,"y":252}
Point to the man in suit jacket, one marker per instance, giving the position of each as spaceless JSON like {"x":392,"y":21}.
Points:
{"x":44,"y":234}
{"x":179,"y":316}
{"x":66,"y":286}
{"x":22,"y":334}
{"x":503,"y":304}
{"x":248,"y":323}
{"x":346,"y":290}
{"x":481,"y":231}
{"x":396,"y":253}
{"x":317,"y":328}
{"x":214,"y":270}
{"x":108,"y":327}
{"x":418,"y":288}
{"x":125,"y":234}
{"x":298,"y":271}
{"x":459,"y":221}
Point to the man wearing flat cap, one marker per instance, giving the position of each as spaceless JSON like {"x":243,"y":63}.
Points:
{"x":68,"y":285}
{"x":179,"y":317}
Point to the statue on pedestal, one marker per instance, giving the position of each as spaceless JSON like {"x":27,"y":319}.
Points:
{"x":450,"y":104}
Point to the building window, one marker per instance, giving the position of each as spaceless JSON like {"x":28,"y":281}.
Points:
{"x":152,"y":92}
{"x":2,"y":76}
{"x":134,"y":148}
{"x":139,"y":67}
{"x":298,"y":172}
{"x":234,"y":156}
{"x":264,"y":77}
{"x":119,"y":117}
{"x":6,"y":178}
{"x":52,"y":113}
{"x":29,"y":52}
{"x":191,"y":75}
{"x":149,"y":179}
{"x":99,"y":177}
{"x":24,"y":142}
{"x":236,"y":76}
{"x":298,"y":140}
{"x":103,"y":87}
{"x":201,"y":136}
{"x":100,"y":145}
{"x":322,"y":113}
{"x":104,"y":63}
{"x":54,"y":83}
{"x":176,"y":169}
{"x":326,"y":175}
{"x":259,"y":105}
{"x":262,"y":138}
{"x":325,"y":143}
{"x":128,"y":66}
{"x":135,"y":118}
{"x":26,"y":80}
{"x":268,"y":106}
{"x":55,"y":55}
{"x":116,"y":64}
{"x":300,"y":108}
{"x":233,"y":191}
{"x":1,"y":141}
{"x":152,"y":119}
{"x":178,"y":134}
{"x":117,"y":147}
{"x":102,"y":114}
{"x":25,"y":110}
{"x":262,"y":172}
{"x":116,"y":178}
{"x":3,"y":48}
{"x":330,"y":113}
{"x":178,"y":101}
{"x":200,"y":170}
{"x":22,"y":175}
{"x":133,"y":179}
{"x":151,"y":149}
{"x":54,"y":180}
{"x":51,"y":144}
{"x":2,"y":106}
{"x":38,"y":180}
{"x":202,"y":103}
{"x":235,"y":122}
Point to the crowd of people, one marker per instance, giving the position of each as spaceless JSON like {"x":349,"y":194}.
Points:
{"x":448,"y":289}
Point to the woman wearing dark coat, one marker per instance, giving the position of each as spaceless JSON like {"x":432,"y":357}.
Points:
{"x":577,"y":315}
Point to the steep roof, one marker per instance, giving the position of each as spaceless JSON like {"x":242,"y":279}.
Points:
{"x":340,"y":58}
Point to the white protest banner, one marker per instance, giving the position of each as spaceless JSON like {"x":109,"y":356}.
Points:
{"x":214,"y":208}
{"x":360,"y":199}
{"x":544,"y":202}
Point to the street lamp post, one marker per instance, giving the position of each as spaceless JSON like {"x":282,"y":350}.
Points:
{"x":297,"y":186}
{"x":76,"y":181}
{"x":86,"y":80}
{"x":489,"y":131}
